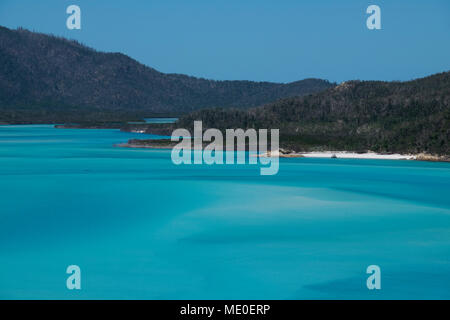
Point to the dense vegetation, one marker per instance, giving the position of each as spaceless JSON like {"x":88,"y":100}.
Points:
{"x":49,"y":79}
{"x":411,"y":116}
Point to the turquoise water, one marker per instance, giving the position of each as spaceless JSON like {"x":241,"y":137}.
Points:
{"x":140,"y":227}
{"x":160,"y":120}
{"x":155,"y":120}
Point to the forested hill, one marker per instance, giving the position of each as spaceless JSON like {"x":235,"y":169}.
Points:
{"x":411,"y":116}
{"x":46,"y":78}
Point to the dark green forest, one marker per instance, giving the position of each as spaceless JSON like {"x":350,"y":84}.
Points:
{"x":411,"y":116}
{"x":49,"y":79}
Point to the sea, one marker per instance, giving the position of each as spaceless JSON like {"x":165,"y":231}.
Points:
{"x":140,"y":227}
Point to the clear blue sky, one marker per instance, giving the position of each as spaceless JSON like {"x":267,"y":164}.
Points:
{"x":262,"y":40}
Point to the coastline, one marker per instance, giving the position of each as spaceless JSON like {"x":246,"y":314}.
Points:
{"x":281,"y":153}
{"x":339,"y":155}
{"x":355,"y":155}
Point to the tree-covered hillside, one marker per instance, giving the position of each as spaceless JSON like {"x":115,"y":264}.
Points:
{"x":51,"y":79}
{"x":411,"y":116}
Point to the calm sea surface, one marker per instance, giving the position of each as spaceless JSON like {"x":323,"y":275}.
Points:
{"x":141,"y":227}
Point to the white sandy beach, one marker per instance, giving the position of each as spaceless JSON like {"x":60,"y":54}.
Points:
{"x":353,"y":155}
{"x":341,"y":154}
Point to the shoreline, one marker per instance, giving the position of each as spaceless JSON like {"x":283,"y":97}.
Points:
{"x":283,"y":153}
{"x":354,"y":155}
{"x":312,"y":154}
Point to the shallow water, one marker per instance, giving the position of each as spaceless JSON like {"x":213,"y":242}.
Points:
{"x":141,"y":227}
{"x":154,"y":120}
{"x":160,"y":120}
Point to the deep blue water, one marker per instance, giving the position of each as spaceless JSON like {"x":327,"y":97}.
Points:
{"x":141,"y":227}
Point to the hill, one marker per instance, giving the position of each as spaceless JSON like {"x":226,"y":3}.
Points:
{"x":412,"y":116}
{"x":52,"y":79}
